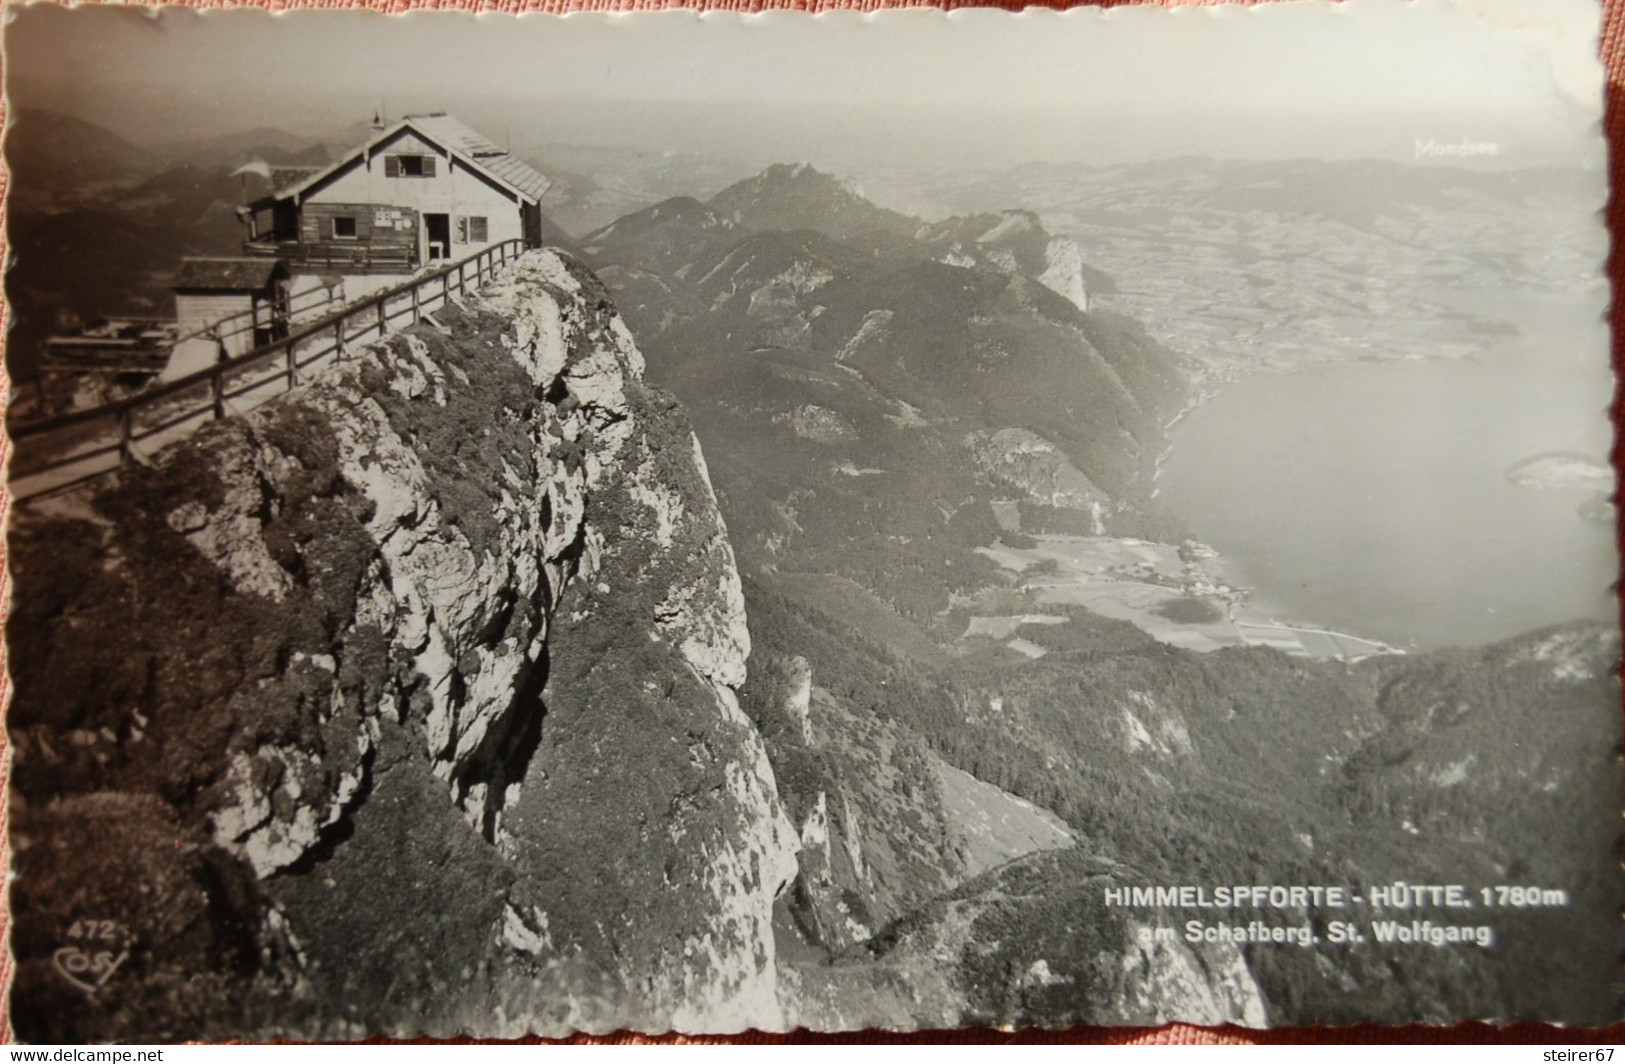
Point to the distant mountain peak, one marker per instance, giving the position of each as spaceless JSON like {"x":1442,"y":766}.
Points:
{"x":803,"y":178}
{"x":781,"y":171}
{"x":48,"y":150}
{"x":676,"y":224}
{"x":799,"y":196}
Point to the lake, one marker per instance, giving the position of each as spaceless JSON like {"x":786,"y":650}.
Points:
{"x":1371,"y":497}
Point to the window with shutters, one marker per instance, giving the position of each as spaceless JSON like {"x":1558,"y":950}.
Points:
{"x":408,"y":166}
{"x":344,"y":227}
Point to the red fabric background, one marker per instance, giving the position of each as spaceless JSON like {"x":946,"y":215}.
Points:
{"x":1613,"y":52}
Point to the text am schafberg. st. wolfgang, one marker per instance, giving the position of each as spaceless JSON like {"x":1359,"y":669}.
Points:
{"x":1392,"y":914}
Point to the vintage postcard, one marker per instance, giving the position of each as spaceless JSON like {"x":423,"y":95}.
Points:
{"x":677,"y":522}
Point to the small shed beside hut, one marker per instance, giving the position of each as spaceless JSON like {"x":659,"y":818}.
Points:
{"x":241,"y":302}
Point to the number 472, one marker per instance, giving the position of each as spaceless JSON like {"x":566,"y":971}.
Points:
{"x":93,"y":930}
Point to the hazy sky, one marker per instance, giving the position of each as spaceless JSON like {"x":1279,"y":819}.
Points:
{"x":1369,"y":77}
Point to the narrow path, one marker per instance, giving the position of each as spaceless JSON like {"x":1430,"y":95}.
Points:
{"x":87,"y":446}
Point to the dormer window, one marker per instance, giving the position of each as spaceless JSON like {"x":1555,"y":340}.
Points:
{"x":409,"y":166}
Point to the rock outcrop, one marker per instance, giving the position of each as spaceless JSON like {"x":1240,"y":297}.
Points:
{"x":998,"y":952}
{"x":428,"y":670}
{"x":1014,"y":242}
{"x":1040,"y":472}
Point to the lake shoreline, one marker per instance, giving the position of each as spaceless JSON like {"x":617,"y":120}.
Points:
{"x":1177,"y":594}
{"x":1439,"y":483}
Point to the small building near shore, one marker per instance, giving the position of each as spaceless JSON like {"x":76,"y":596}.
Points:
{"x":423,"y":190}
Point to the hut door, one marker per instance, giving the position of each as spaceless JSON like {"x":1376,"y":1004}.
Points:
{"x":437,"y":227}
{"x":530,"y":217}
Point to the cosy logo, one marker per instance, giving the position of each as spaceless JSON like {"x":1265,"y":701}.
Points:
{"x":95,"y":950}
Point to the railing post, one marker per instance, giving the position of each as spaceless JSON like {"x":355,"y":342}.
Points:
{"x":217,"y":384}
{"x":383,"y":324}
{"x":293,"y":367}
{"x":125,"y":430}
{"x":338,"y":339}
{"x":417,"y":309}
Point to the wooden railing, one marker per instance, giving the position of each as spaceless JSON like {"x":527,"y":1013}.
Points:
{"x":63,"y":452}
{"x":244,"y":323}
{"x":334,"y":255}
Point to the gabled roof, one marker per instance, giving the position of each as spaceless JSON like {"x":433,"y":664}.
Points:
{"x":225,"y":275}
{"x":287,"y":176}
{"x":446,"y":130}
{"x":519,"y":174}
{"x":468,"y":147}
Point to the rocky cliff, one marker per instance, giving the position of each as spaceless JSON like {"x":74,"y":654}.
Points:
{"x":404,"y":703}
{"x":411,"y":702}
